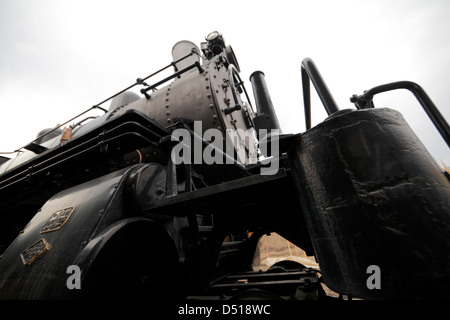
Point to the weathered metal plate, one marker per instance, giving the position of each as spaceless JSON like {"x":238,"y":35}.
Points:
{"x":34,"y":252}
{"x":57,"y":220}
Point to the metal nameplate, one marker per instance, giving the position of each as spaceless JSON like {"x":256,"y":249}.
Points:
{"x":57,"y":220}
{"x":35,"y":251}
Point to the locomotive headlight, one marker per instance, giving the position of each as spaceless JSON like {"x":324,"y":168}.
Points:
{"x":215,"y":42}
{"x":213,"y":35}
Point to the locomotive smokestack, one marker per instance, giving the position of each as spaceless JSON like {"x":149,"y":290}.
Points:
{"x":266,"y":117}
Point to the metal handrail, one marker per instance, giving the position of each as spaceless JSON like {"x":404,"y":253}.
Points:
{"x":311,"y":73}
{"x":364,"y":101}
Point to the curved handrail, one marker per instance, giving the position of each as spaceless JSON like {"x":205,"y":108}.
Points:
{"x":364,"y":101}
{"x":310,"y":72}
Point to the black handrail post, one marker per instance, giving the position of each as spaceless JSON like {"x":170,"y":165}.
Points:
{"x":306,"y":98}
{"x":310,"y":70}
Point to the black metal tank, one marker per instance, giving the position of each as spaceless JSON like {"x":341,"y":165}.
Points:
{"x":373,"y":196}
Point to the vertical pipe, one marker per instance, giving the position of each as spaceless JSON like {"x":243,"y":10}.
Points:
{"x":266,"y":118}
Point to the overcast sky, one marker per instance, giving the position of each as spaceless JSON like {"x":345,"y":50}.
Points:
{"x":59,"y":57}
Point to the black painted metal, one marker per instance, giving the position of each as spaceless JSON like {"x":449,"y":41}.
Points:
{"x":357,"y":190}
{"x":373,"y":195}
{"x":86,"y":148}
{"x":311,"y":73}
{"x":365,"y":101}
{"x":266,"y":117}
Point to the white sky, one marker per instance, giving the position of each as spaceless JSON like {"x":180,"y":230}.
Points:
{"x":59,"y":57}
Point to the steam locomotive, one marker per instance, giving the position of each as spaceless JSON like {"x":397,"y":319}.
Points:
{"x":167,"y":194}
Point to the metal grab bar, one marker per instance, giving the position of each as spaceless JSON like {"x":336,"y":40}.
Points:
{"x":310,"y":72}
{"x":196,"y":64}
{"x":364,"y":101}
